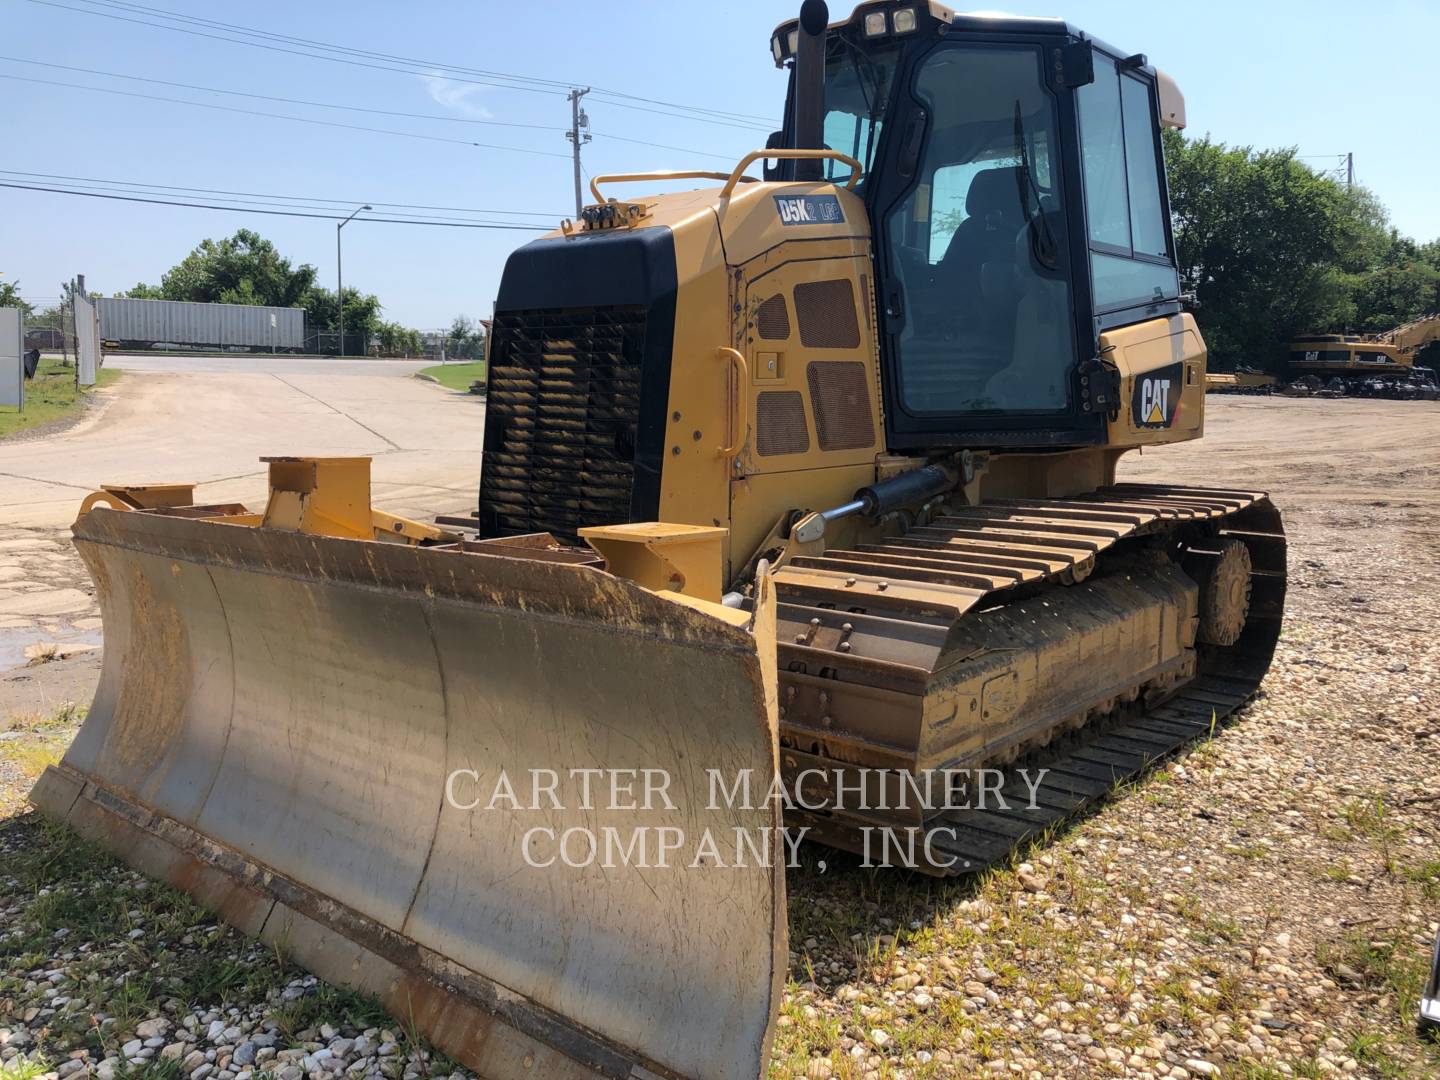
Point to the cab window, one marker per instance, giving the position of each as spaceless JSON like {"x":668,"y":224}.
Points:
{"x":1130,"y":260}
{"x":976,"y":249}
{"x":858,"y":85}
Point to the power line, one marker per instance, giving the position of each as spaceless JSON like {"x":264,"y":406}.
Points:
{"x":286,"y":100}
{"x":163,"y":13}
{"x":247,"y":203}
{"x":346,"y":203}
{"x":276,"y":213}
{"x":280,"y":116}
{"x":333,"y":105}
{"x":399,"y":65}
{"x":272,"y":48}
{"x":663,"y":146}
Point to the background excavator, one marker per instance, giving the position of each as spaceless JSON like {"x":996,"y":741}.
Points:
{"x":1369,"y":365}
{"x":1386,"y":365}
{"x":809,"y":478}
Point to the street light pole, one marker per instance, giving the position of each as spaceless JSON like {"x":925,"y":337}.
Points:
{"x":340,"y":284}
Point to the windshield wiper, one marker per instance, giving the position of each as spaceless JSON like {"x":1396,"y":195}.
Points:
{"x":1042,"y":240}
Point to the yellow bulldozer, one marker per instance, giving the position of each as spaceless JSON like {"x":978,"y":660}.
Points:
{"x":798,"y":518}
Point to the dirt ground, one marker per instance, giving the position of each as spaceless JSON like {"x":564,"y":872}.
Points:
{"x":1261,"y":907}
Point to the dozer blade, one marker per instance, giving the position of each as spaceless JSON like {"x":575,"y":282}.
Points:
{"x":276,"y":723}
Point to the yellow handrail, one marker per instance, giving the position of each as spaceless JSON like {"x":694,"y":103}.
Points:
{"x":620,"y":178}
{"x":737,"y":174}
{"x":737,"y":407}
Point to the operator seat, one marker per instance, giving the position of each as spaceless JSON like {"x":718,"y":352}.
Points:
{"x":987,"y":235}
{"x":974,"y":286}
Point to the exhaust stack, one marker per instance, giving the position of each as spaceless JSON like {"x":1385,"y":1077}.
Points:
{"x":810,"y":87}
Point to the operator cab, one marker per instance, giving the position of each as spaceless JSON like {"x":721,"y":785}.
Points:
{"x":1015,"y":188}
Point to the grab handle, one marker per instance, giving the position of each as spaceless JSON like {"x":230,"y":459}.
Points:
{"x":737,"y":403}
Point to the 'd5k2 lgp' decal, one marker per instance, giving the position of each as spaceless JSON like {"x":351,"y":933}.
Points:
{"x":809,"y":209}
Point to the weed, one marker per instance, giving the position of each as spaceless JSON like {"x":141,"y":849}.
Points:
{"x":23,"y":1068}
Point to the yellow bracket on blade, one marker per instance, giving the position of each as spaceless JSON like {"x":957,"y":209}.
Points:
{"x":662,"y":556}
{"x":139,"y":497}
{"x":322,"y":496}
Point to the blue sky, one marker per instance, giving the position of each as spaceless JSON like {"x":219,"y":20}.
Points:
{"x":1326,"y":76}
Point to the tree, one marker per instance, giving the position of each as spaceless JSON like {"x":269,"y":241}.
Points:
{"x":1268,"y":249}
{"x":1400,"y":286}
{"x":397,"y":340}
{"x":248,"y":269}
{"x":466,"y":339}
{"x":10,"y":297}
{"x":241,"y":269}
{"x":362,"y":314}
{"x":1258,"y":236}
{"x":144,"y":292}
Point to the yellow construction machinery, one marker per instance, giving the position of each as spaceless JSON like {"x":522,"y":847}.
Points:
{"x":1414,"y":337}
{"x":805,"y":485}
{"x":1240,"y":381}
{"x":1356,"y":365}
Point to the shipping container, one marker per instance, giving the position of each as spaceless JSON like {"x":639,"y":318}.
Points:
{"x":150,"y":324}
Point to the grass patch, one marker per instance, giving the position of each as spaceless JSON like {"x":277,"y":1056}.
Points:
{"x":50,"y":396}
{"x":1425,"y":874}
{"x":1390,"y":967}
{"x":40,"y":740}
{"x":456,"y":376}
{"x":1370,"y":1049}
{"x":32,"y":758}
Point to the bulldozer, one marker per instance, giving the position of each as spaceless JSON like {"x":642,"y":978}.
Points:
{"x":798,"y":517}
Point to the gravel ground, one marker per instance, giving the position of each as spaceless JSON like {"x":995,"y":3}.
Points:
{"x":1261,"y":907}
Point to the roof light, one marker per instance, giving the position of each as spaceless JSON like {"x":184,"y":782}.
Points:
{"x":875,"y":24}
{"x":903,"y":20}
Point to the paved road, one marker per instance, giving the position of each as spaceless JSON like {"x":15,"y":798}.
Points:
{"x":169,"y":420}
{"x":207,"y":421}
{"x":262,"y":365}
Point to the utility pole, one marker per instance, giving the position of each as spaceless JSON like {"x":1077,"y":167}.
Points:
{"x":1350,"y":170}
{"x":578,"y":133}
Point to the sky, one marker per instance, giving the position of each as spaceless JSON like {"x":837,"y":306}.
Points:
{"x":1326,"y":76}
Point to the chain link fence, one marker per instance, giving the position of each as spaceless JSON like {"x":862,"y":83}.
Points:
{"x":50,"y":331}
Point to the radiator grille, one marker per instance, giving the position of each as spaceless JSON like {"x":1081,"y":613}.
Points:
{"x":773,"y":318}
{"x":840,"y":396}
{"x":825,"y":311}
{"x":780,"y":423}
{"x":561,"y":420}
